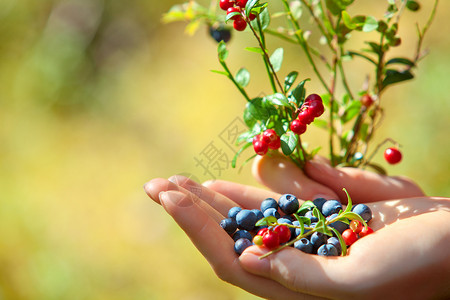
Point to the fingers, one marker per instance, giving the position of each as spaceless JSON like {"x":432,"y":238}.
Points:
{"x":215,"y":244}
{"x":298,"y":271}
{"x":363,"y":186}
{"x":156,"y":187}
{"x":283,"y":176}
{"x":244,"y":195}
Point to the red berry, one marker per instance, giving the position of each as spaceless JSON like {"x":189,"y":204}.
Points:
{"x":262,"y":231}
{"x":349,"y":237}
{"x":365,"y":231}
{"x":356,"y":226}
{"x":259,"y":145}
{"x":367,"y":100}
{"x":225,"y":4}
{"x":269,"y":135}
{"x":298,"y":127}
{"x":316,"y":107}
{"x":241,"y":3}
{"x":271,"y":239}
{"x":252,"y":16}
{"x":392,"y":155}
{"x":232,"y":10}
{"x":306,"y":116}
{"x":284,"y":233}
{"x":313,"y":97}
{"x":276,"y":144}
{"x":239,"y":24}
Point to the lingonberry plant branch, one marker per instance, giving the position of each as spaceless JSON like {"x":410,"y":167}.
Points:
{"x":354,"y":113}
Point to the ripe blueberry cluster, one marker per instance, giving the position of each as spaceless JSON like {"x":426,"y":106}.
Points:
{"x":316,"y":227}
{"x":236,"y":8}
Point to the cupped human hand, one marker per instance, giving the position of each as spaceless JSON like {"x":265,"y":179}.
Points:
{"x":320,"y":179}
{"x":406,"y":257}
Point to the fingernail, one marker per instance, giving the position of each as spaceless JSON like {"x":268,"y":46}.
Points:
{"x":175,"y":197}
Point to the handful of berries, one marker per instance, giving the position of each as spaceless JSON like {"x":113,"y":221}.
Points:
{"x":319,"y":227}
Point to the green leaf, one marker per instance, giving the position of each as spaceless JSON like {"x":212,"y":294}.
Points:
{"x":299,"y":92}
{"x":307,"y":205}
{"x":289,"y":142}
{"x":348,"y":20}
{"x":370,"y":24}
{"x":353,"y":53}
{"x":351,"y":111}
{"x":341,"y":241}
{"x":242,"y":77}
{"x":377,"y":168}
{"x":263,"y":19}
{"x":289,"y":80}
{"x":233,"y":162}
{"x":220,"y":72}
{"x":336,"y":6}
{"x":349,"y":201}
{"x":255,"y":111}
{"x":320,"y":123}
{"x":394,"y":76}
{"x":267,"y":221}
{"x":222,"y":51}
{"x":276,"y":59}
{"x":249,"y":6}
{"x":232,"y":15}
{"x":401,"y":60}
{"x":255,"y":49}
{"x":278,"y":99}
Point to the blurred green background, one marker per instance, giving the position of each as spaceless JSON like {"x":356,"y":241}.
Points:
{"x":97,"y":97}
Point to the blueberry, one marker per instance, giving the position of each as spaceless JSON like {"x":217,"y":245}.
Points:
{"x":271,"y":212}
{"x":233,"y":212}
{"x":241,"y":244}
{"x":338,"y":225}
{"x":242,"y":234}
{"x":331,"y":207}
{"x":318,"y":202}
{"x":269,"y":203}
{"x":229,"y":225}
{"x":288,"y":204}
{"x":304,"y":245}
{"x":364,"y":211}
{"x":327,"y":250}
{"x":309,"y":215}
{"x":246,"y":219}
{"x":335,"y":242}
{"x":258,"y":213}
{"x":298,"y":230}
{"x":220,"y":34}
{"x":318,"y":239}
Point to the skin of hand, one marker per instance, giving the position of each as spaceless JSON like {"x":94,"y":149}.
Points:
{"x":319,"y":179}
{"x":406,"y":258}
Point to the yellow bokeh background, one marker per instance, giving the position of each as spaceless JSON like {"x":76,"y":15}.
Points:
{"x":97,"y":97}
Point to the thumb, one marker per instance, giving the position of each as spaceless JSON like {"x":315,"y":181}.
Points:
{"x":283,"y":176}
{"x":362,"y":185}
{"x":297,"y":271}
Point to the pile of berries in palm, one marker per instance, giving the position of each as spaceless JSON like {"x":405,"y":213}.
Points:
{"x":320,"y":226}
{"x":308,"y":111}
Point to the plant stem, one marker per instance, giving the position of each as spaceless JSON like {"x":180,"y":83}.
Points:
{"x":272,"y":74}
{"x":303,"y":44}
{"x":230,"y":76}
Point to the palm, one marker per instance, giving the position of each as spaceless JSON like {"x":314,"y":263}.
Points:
{"x":398,"y":223}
